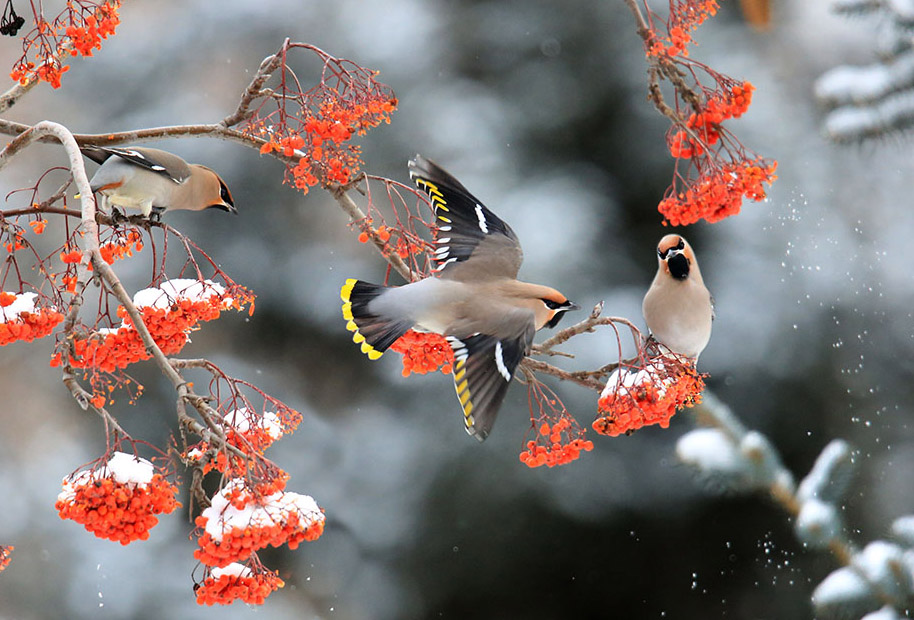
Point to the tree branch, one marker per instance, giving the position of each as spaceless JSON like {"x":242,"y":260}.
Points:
{"x":92,"y":255}
{"x":587,"y":325}
{"x":358,"y":217}
{"x":14,"y":94}
{"x":780,"y":486}
{"x":255,"y":88}
{"x":663,"y":65}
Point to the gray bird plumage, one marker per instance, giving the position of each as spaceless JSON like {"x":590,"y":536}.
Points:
{"x":153,"y":180}
{"x":487,"y":315}
{"x":678,"y":307}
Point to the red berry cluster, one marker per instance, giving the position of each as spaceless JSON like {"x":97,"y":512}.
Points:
{"x":115,"y":508}
{"x":239,"y":522}
{"x":424,"y":352}
{"x":237,"y":582}
{"x":651,"y":394}
{"x":559,"y":444}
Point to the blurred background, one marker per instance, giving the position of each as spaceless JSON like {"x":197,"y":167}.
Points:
{"x":540,"y":109}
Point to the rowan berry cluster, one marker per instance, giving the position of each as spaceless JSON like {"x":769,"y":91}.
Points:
{"x":79,"y":29}
{"x":118,"y":501}
{"x":558,"y":444}
{"x":224,"y":586}
{"x":239,"y":523}
{"x":650,"y":393}
{"x":21,"y":320}
{"x":424,"y":352}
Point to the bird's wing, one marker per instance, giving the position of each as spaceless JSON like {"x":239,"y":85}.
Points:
{"x":154,"y":160}
{"x":483,"y":368}
{"x":472,"y":243}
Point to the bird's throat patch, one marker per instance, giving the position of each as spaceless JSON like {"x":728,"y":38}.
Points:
{"x":679,"y":266}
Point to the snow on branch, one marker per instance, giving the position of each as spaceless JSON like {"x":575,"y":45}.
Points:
{"x":873,"y":100}
{"x":878,"y":579}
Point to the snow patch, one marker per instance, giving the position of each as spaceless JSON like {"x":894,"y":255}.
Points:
{"x":222,"y":516}
{"x":903,"y":530}
{"x":830,"y":476}
{"x":841,"y":587}
{"x":710,"y":450}
{"x":622,"y":380}
{"x":24,"y":303}
{"x":232,"y":570}
{"x":123,"y":468}
{"x":165,"y":294}
{"x":886,"y":613}
{"x":882,"y":563}
{"x":817,"y":523}
{"x":243,"y":420}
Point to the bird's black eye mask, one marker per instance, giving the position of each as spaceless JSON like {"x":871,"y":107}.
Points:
{"x":555,"y":320}
{"x":561,"y":308}
{"x":663,"y":254}
{"x":225,"y":194}
{"x":228,"y":203}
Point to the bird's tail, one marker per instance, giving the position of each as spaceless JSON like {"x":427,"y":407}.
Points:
{"x":374,"y":332}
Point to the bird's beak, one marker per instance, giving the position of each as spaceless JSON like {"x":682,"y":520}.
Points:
{"x":224,"y":206}
{"x":573,"y":306}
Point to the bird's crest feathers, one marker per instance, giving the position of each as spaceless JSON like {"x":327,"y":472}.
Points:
{"x":672,"y":243}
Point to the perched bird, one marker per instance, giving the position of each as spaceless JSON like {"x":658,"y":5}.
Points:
{"x":485,"y":313}
{"x":155,"y":181}
{"x":678,"y":308}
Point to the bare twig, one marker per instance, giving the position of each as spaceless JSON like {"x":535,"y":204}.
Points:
{"x":55,"y":197}
{"x":663,"y":65}
{"x":358,"y":217}
{"x":22,"y":140}
{"x":644,"y":30}
{"x":255,"y":88}
{"x":134,"y":136}
{"x":14,"y":94}
{"x":587,"y":325}
{"x":533,"y":365}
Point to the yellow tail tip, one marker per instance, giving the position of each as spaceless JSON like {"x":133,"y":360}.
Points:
{"x":370,"y":351}
{"x":346,"y":291}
